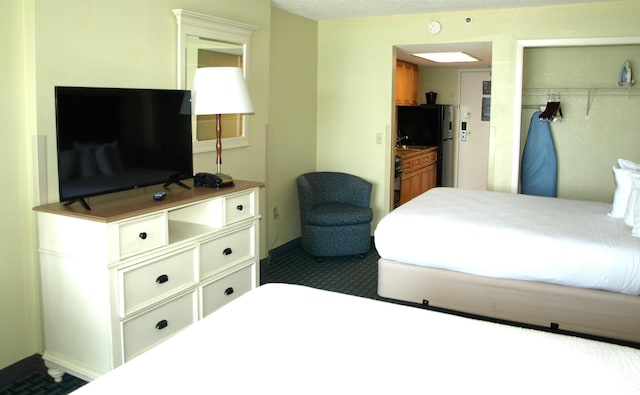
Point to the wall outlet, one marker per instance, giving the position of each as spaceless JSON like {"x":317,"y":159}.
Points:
{"x":463,"y":136}
{"x":276,"y":214}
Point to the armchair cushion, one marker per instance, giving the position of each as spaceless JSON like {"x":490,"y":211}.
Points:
{"x":338,"y":214}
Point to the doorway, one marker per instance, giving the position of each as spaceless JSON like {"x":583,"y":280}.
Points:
{"x":444,"y":80}
{"x":473,"y":129}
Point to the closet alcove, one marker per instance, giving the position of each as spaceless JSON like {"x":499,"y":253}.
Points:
{"x":600,"y":122}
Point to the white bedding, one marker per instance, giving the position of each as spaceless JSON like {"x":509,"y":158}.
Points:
{"x":289,"y":339}
{"x":520,"y":237}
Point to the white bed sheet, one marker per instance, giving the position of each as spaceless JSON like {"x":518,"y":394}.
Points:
{"x":289,"y":339}
{"x":520,"y":237}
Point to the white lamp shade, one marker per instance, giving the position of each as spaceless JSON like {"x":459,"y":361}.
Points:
{"x":220,"y":90}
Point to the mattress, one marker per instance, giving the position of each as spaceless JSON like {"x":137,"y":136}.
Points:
{"x":290,"y":339}
{"x":503,"y":235}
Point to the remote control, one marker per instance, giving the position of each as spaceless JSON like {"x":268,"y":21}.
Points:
{"x":159,"y":196}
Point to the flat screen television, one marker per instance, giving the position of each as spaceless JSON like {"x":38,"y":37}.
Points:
{"x":114,"y":139}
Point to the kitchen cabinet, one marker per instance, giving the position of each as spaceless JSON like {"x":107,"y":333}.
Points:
{"x":419,"y":173}
{"x":406,"y":83}
{"x":125,"y":276}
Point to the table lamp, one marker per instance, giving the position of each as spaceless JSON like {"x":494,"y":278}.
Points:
{"x":220,"y":90}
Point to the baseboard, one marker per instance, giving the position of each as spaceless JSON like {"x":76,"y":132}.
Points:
{"x":285,"y":248}
{"x":22,"y":369}
{"x":279,"y":251}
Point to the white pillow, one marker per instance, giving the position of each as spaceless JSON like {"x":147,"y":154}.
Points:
{"x":627,"y":164}
{"x":636,"y":225}
{"x":632,"y":216}
{"x":632,"y":205}
{"x":624,"y":184}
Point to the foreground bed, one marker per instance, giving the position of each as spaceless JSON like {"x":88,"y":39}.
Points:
{"x":288,"y":339}
{"x":542,"y":261}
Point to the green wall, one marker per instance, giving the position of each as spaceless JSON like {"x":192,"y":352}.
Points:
{"x":291,"y":146}
{"x":19,"y":296}
{"x":356,"y":68}
{"x":133,"y":44}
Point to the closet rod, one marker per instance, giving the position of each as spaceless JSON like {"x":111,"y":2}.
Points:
{"x":554,"y":92}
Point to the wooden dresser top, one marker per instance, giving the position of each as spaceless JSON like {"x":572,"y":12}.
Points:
{"x":143,"y":203}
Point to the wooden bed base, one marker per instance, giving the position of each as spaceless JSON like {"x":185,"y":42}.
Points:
{"x":586,"y":311}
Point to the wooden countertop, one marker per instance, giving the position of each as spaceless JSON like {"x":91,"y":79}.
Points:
{"x":408,"y":152}
{"x":121,"y":208}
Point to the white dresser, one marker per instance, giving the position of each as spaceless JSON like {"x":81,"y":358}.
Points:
{"x":124,"y":276}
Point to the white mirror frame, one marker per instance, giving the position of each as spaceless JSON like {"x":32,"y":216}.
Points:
{"x":517,"y":119}
{"x":192,"y":23}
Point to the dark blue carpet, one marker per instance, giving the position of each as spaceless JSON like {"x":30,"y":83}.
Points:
{"x":42,"y":384}
{"x":352,"y":275}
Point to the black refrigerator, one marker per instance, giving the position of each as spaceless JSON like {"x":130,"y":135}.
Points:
{"x":429,"y":125}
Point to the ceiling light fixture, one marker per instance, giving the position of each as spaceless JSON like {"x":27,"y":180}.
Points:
{"x":447,"y":57}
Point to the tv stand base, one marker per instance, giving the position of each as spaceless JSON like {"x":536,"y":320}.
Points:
{"x":176,"y":180}
{"x":82,"y":202}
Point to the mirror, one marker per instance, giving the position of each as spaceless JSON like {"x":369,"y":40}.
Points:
{"x":206,"y":41}
{"x":202,"y":52}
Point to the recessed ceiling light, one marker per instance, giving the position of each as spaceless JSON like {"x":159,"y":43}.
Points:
{"x":447,"y":57}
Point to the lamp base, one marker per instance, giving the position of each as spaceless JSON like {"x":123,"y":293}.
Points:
{"x":209,"y":180}
{"x":225,"y":180}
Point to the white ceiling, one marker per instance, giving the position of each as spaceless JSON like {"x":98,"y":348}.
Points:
{"x":344,"y":9}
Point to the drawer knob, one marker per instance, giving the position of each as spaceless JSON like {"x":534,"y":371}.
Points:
{"x":162,"y":324}
{"x":227,"y":251}
{"x":228,"y":291}
{"x":143,"y":235}
{"x":163,"y":278}
{"x":240,"y":207}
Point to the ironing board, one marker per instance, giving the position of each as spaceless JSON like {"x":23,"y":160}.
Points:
{"x":539,"y":167}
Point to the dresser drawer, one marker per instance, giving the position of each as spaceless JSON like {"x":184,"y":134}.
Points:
{"x":142,"y":234}
{"x":156,"y":279}
{"x":148,"y":329}
{"x":239,"y":206}
{"x":226,"y":250}
{"x":222,"y":291}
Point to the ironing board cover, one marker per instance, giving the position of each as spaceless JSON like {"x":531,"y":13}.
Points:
{"x":539,"y":165}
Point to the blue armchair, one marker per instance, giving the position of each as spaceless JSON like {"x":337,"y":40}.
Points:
{"x":335,"y":217}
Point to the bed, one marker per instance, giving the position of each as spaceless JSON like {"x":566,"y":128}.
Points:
{"x":541,"y":261}
{"x":290,"y":339}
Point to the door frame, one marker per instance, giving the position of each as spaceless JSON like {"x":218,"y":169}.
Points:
{"x":517,"y":100}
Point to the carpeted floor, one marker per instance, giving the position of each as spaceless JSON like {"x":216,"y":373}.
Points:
{"x":39,"y":383}
{"x":349,"y":274}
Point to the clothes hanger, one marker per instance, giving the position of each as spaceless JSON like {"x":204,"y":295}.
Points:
{"x":552,"y":112}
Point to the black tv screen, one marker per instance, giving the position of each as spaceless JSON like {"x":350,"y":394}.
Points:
{"x":113,"y":139}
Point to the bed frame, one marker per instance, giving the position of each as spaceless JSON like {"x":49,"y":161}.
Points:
{"x":585,"y":311}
